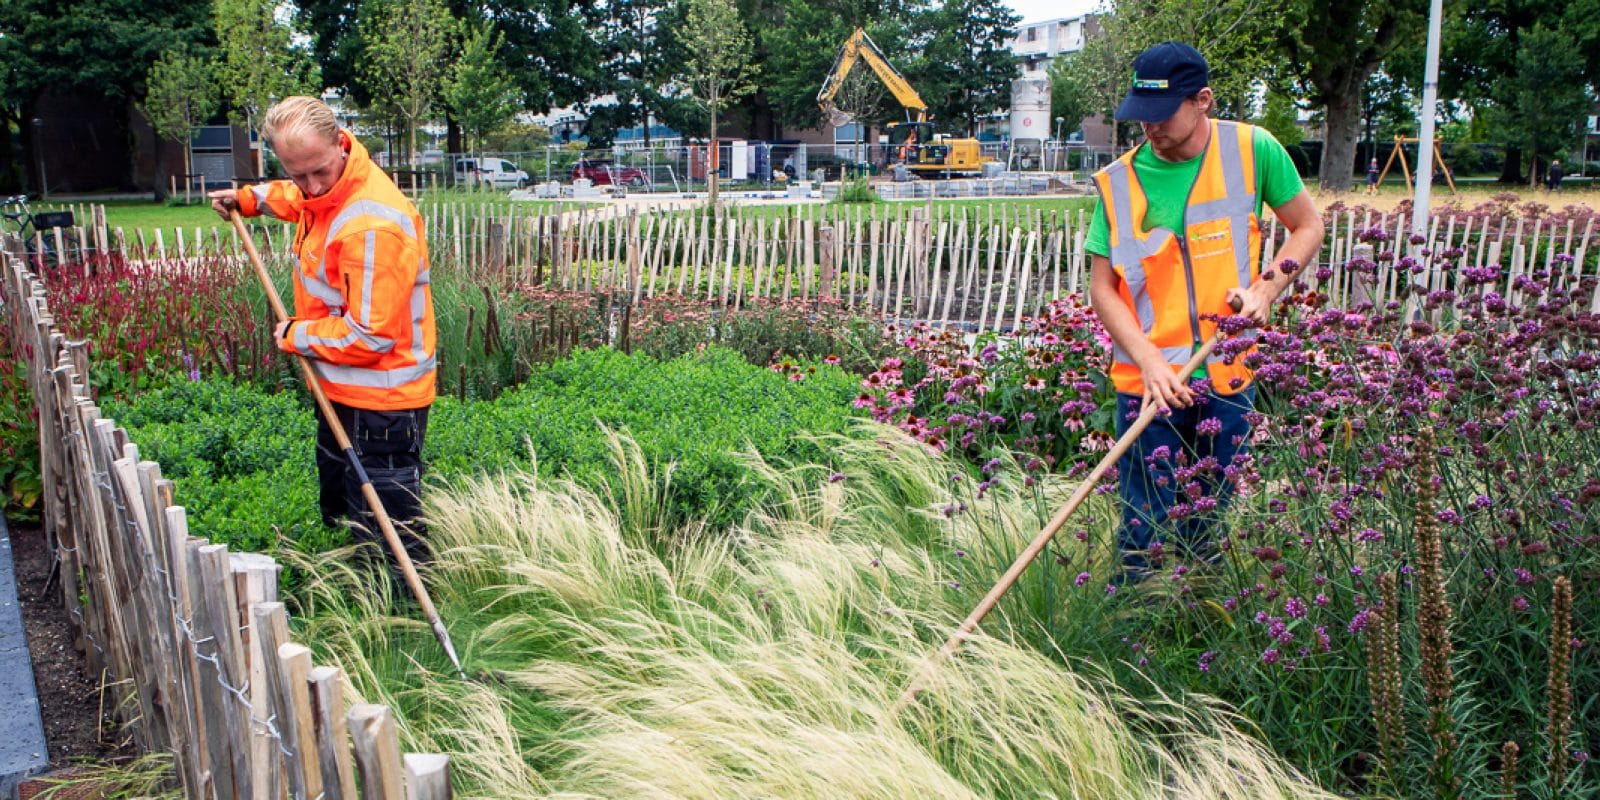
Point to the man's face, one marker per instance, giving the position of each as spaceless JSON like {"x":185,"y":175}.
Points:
{"x":1169,"y":137}
{"x":313,"y":163}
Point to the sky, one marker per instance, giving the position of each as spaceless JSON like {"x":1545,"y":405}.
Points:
{"x":1041,"y":10}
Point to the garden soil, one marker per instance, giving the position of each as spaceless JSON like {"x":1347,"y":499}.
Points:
{"x":69,"y":699}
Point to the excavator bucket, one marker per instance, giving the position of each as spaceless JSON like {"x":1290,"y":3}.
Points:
{"x":837,"y":117}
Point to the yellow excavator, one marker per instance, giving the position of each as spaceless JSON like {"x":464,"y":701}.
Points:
{"x":925,"y":153}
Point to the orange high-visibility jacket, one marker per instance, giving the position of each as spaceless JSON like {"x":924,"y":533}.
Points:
{"x":1170,"y":280}
{"x":363,"y":312}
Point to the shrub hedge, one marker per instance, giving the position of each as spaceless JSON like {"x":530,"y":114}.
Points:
{"x":242,"y":457}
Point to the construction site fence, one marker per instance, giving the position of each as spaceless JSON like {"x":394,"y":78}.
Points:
{"x":194,"y":633}
{"x":979,"y":266}
{"x":679,"y":167}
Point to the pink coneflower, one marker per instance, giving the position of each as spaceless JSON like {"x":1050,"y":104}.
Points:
{"x":1096,"y":442}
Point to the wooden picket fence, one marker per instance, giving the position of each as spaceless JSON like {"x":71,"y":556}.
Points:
{"x":979,"y":267}
{"x":195,"y":632}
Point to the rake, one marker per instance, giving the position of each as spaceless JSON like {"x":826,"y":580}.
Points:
{"x":1051,"y":528}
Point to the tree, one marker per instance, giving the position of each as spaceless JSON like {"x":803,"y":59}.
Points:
{"x":1542,"y":104}
{"x":551,"y":49}
{"x":99,"y":49}
{"x":260,"y":63}
{"x":965,"y":68}
{"x":631,"y":62}
{"x":181,"y":95}
{"x":718,"y":69}
{"x":1482,"y":54}
{"x":1239,"y":39}
{"x":811,"y":33}
{"x":1071,"y":99}
{"x":480,"y":92}
{"x":1337,"y":50}
{"x":407,"y":42}
{"x":1281,"y":118}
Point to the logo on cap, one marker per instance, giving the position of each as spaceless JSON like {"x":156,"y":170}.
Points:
{"x":1149,"y":83}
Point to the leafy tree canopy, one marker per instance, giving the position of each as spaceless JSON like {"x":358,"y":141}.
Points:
{"x":480,"y":91}
{"x":260,"y":62}
{"x":103,"y":46}
{"x":964,"y":68}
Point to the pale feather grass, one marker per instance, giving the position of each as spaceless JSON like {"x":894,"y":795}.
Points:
{"x":760,"y":662}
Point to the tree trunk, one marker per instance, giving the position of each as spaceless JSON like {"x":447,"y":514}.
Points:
{"x":1511,"y":169}
{"x":712,"y":151}
{"x":1344,"y":127}
{"x":452,"y":134}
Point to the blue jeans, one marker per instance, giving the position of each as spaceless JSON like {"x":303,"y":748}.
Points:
{"x":1153,"y":483}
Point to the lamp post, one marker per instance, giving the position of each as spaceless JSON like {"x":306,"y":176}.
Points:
{"x":38,"y":147}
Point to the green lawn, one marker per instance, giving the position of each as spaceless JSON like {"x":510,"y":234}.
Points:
{"x":134,"y":216}
{"x":148,"y":216}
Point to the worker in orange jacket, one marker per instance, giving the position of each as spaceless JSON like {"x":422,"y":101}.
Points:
{"x":363,"y":312}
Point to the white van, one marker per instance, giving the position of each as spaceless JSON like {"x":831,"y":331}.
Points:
{"x":493,"y":171}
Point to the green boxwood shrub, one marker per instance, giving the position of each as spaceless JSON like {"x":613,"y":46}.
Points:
{"x":243,"y":458}
{"x":695,"y":410}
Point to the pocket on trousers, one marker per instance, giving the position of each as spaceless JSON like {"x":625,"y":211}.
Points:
{"x":385,"y":432}
{"x":400,"y":491}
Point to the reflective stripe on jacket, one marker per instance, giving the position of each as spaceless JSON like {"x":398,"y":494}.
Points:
{"x":363,"y":311}
{"x":1170,"y":281}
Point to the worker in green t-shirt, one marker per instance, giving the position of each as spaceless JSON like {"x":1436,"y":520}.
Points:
{"x":1176,"y":239}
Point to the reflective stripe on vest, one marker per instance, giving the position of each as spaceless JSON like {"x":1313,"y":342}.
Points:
{"x":1130,"y":247}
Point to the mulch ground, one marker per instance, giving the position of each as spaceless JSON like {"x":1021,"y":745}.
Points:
{"x":69,"y":698}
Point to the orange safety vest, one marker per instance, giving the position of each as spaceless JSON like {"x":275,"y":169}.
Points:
{"x":1169,"y":280}
{"x":363,"y":311}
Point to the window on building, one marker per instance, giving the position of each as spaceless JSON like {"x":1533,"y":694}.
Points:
{"x":1033,"y":34}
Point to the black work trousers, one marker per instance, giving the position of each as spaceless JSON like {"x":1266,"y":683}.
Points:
{"x":389,"y":445}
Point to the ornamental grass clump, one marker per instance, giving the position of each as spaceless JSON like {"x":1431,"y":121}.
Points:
{"x":762,"y":330}
{"x":763,"y":664}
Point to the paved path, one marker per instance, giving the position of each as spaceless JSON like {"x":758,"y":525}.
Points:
{"x":22,"y":745}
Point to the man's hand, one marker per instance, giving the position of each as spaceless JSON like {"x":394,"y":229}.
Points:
{"x":1254,"y":302}
{"x":225,"y":202}
{"x":281,"y":329}
{"x":1162,"y":387}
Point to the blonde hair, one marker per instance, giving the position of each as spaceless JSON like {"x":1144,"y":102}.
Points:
{"x":295,"y":117}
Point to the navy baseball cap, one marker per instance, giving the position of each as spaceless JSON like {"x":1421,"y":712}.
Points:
{"x":1163,"y":77}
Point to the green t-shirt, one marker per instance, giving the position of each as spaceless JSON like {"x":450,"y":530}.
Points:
{"x":1167,"y":184}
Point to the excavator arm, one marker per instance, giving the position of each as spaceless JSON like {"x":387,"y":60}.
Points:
{"x":861,"y":47}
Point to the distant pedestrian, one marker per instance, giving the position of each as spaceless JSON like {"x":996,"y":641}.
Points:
{"x":1552,"y":178}
{"x":1372,"y":176}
